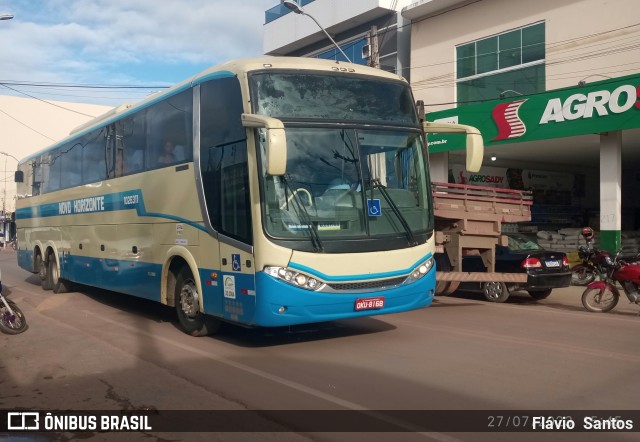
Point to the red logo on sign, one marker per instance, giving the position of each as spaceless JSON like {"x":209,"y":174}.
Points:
{"x":509,"y":123}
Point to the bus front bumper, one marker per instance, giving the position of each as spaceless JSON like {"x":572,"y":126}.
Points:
{"x":280,"y":304}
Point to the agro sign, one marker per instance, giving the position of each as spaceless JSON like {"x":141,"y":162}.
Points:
{"x":597,"y":107}
{"x":602,"y":102}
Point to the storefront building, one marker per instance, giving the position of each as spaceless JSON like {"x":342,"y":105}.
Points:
{"x":554,"y":87}
{"x":608,"y":108}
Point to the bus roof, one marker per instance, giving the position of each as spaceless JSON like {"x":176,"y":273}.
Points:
{"x":230,"y":68}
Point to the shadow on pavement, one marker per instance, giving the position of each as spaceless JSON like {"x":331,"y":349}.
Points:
{"x":240,"y":335}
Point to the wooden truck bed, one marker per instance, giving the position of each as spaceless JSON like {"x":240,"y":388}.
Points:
{"x":468,"y":220}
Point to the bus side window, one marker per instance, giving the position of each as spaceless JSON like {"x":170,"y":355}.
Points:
{"x":71,"y":165}
{"x":170,"y":121}
{"x":94,"y":165}
{"x":134,"y":139}
{"x":51,"y":170}
{"x":36,"y":186}
{"x":134,"y":161}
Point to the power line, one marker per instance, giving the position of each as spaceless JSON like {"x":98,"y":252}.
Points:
{"x":27,"y":126}
{"x":448,"y":78}
{"x":77,"y":85}
{"x":552,"y":62}
{"x":547,"y":46}
{"x":381,"y":33}
{"x":48,"y":102}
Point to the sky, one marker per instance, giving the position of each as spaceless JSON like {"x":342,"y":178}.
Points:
{"x":121,"y":42}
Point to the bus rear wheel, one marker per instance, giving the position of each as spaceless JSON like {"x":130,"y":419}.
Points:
{"x":43,"y":272}
{"x":187,"y":300}
{"x":57,"y":284}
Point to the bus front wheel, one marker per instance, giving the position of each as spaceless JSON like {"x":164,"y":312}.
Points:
{"x":187,"y":300}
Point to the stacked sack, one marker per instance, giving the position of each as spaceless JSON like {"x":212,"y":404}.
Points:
{"x":565,"y":240}
{"x":569,"y":239}
{"x":631,"y":242}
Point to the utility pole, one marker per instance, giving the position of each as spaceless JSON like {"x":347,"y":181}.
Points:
{"x":374,"y":57}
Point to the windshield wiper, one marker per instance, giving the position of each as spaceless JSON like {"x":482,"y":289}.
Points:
{"x":304,"y":216}
{"x":376,"y":184}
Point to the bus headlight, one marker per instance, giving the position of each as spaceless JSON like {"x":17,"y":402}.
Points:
{"x":420,"y":271}
{"x":294,"y":278}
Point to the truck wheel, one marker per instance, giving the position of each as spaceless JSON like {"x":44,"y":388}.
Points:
{"x":495,"y":291}
{"x":539,"y":294}
{"x":443,"y":265}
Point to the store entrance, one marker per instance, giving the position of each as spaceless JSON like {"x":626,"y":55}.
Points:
{"x":564,"y":176}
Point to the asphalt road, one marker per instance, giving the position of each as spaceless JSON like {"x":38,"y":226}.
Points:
{"x":97,"y":350}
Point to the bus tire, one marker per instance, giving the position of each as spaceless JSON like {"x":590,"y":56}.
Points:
{"x":45,"y":278}
{"x":37,"y":265}
{"x":187,"y":300}
{"x":58,"y":284}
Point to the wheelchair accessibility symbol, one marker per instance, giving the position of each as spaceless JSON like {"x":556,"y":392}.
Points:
{"x":373,"y":207}
{"x":235,"y":263}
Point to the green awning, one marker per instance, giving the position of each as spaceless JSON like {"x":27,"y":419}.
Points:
{"x":602,"y":106}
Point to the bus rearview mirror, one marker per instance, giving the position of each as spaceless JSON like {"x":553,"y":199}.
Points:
{"x":275,"y":141}
{"x":474,"y":143}
{"x":475,"y":152}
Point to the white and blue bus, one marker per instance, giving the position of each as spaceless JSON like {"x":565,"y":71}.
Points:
{"x":262,"y":192}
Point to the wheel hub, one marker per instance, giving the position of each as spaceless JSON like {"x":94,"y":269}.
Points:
{"x":189,"y":300}
{"x":493,"y":290}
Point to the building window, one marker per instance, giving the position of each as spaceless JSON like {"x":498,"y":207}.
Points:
{"x":280,"y":10}
{"x":511,"y":61}
{"x":352,"y":49}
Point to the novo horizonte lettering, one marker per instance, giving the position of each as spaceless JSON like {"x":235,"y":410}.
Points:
{"x":84,"y":205}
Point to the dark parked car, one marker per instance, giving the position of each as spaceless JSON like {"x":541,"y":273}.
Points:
{"x":546,"y":270}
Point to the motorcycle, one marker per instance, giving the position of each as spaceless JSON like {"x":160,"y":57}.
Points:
{"x":592,"y":265}
{"x":12,"y":320}
{"x":602,"y":296}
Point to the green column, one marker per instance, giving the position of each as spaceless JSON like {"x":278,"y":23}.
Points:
{"x":610,"y":240}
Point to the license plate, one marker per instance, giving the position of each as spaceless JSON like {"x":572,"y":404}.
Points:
{"x":369,"y":303}
{"x":552,"y":263}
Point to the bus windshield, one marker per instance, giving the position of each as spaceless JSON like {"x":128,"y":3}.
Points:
{"x":347,"y":184}
{"x":337,"y":97}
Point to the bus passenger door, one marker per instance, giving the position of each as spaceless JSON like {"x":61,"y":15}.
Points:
{"x":225,"y":179}
{"x":233,"y":222}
